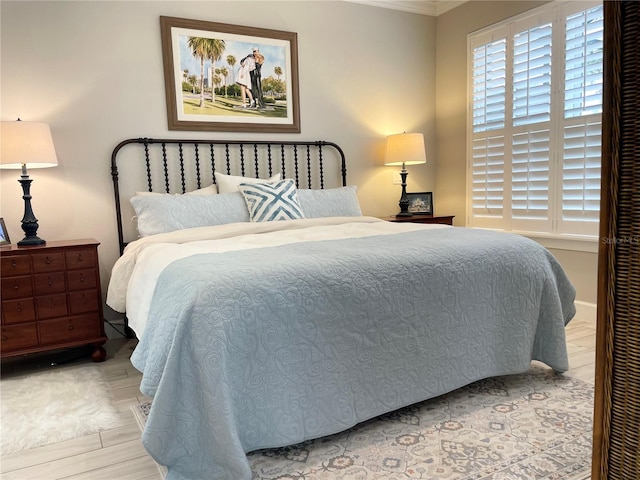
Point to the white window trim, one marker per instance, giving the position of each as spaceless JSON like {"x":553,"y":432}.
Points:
{"x":573,"y":242}
{"x":576,"y":243}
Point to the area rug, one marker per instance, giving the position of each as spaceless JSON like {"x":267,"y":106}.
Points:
{"x":536,"y":425}
{"x":54,"y":406}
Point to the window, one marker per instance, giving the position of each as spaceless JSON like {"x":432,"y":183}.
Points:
{"x":535,"y":121}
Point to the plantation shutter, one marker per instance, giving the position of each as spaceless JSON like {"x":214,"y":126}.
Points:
{"x":530,"y":176}
{"x":583,"y":85}
{"x":488,"y":176}
{"x":532,"y":76}
{"x":535,"y":128}
{"x":531,"y":128}
{"x":489,"y":85}
{"x":489,"y":97}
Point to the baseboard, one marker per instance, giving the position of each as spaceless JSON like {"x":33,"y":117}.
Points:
{"x":586,"y":311}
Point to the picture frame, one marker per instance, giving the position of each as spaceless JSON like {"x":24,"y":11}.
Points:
{"x":211,"y":95}
{"x":420,"y":203}
{"x":4,"y":234}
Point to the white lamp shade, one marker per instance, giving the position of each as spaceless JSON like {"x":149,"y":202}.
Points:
{"x":405,"y":148}
{"x":26,"y":143}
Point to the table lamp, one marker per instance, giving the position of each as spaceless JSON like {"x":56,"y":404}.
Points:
{"x":405,"y":149}
{"x":22,"y":145}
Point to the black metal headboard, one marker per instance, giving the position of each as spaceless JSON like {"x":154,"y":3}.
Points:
{"x":180,"y":165}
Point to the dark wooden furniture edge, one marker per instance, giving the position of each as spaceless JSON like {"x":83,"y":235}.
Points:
{"x":422,"y":218}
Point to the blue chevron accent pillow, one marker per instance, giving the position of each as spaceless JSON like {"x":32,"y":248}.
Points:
{"x":269,"y":202}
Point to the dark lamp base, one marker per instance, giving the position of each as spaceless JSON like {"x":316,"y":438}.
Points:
{"x":31,"y":241}
{"x":404,"y":200}
{"x":29,"y":221}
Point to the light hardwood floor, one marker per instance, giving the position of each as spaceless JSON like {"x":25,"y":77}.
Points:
{"x":118,"y":453}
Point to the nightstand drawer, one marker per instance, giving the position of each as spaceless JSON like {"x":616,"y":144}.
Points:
{"x":81,"y":259}
{"x":82,"y":302}
{"x":49,"y":283}
{"x":18,"y":311}
{"x":16,"y":287}
{"x":51,"y":298}
{"x":49,"y":262}
{"x":68,"y":329}
{"x":50,"y":306}
{"x":18,"y":265}
{"x":81,"y":279}
{"x":19,"y":336}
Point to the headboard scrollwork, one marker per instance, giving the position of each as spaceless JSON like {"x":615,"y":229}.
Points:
{"x":180,"y":165}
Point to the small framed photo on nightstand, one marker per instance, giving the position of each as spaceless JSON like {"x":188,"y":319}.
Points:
{"x":421,"y":203}
{"x":4,"y":235}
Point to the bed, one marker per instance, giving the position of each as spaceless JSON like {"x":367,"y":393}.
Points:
{"x":257,"y":333}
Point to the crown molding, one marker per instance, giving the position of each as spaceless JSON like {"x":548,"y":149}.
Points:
{"x":432,"y":8}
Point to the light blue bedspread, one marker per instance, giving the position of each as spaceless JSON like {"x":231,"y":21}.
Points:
{"x":270,"y":347}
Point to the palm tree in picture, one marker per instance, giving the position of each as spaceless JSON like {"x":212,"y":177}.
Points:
{"x":216,"y":80}
{"x":205,"y":49}
{"x":216,"y":49}
{"x":198,"y":46}
{"x":231,"y":61}
{"x":278,"y":72}
{"x":223,"y":72}
{"x":193,"y":81}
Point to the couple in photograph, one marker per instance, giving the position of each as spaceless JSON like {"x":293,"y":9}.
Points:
{"x":250,"y":79}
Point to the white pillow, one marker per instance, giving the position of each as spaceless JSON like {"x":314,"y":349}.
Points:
{"x":331,"y":202}
{"x":167,"y":213}
{"x":210,"y":190}
{"x":268,"y":202}
{"x":229,"y":183}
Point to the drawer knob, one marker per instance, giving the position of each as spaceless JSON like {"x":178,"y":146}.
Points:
{"x":81,"y":278}
{"x":48,"y":261}
{"x":79,"y":257}
{"x":70,"y":327}
{"x":16,"y":286}
{"x":14,"y":264}
{"x":49,"y":282}
{"x":4,"y":338}
{"x":19,"y":309}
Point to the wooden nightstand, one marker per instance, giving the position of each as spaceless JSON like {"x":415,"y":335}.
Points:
{"x":51,"y":298}
{"x":443,"y":220}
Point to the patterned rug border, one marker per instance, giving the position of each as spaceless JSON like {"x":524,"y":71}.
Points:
{"x":554,"y":443}
{"x":140,"y":412}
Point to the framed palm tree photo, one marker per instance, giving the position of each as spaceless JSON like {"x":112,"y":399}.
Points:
{"x":233,"y":78}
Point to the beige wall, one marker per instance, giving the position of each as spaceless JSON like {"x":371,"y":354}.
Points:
{"x":93,"y":71}
{"x":451,"y":117}
{"x":582,"y":268}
